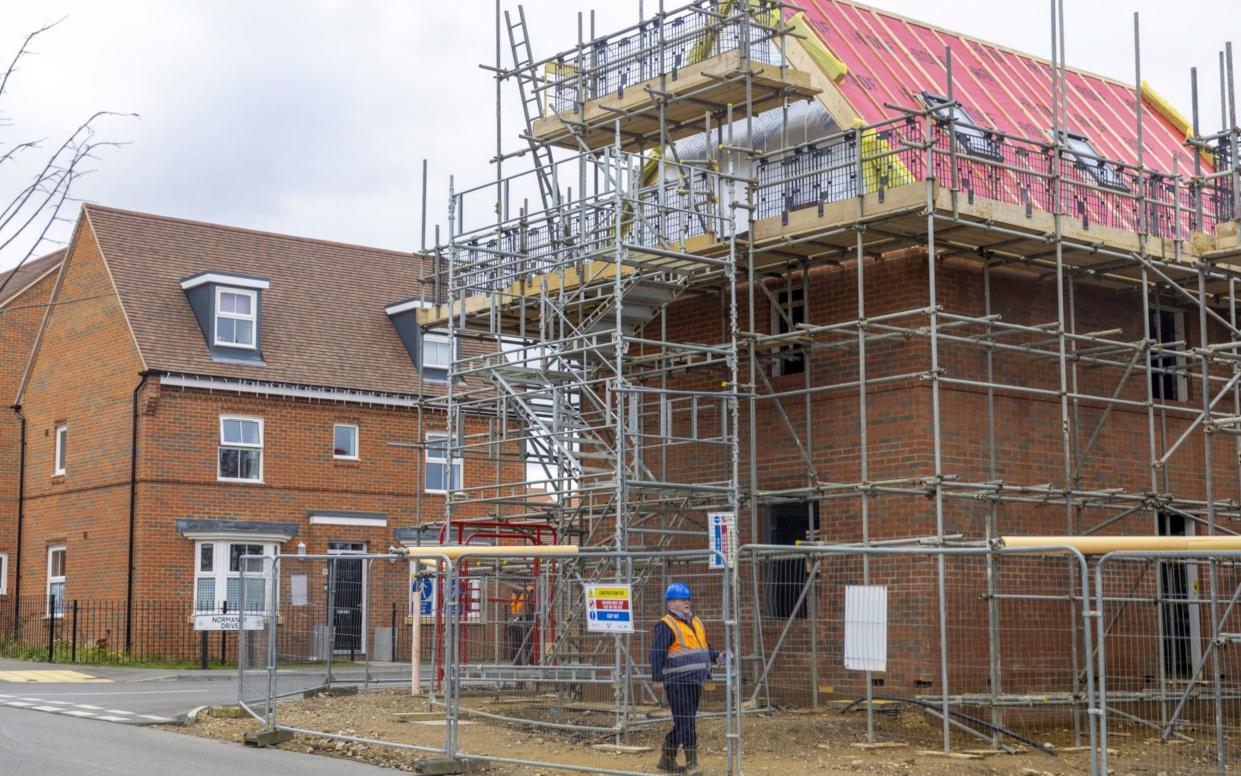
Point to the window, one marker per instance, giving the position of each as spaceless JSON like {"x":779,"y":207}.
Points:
{"x":442,"y":475}
{"x":235,"y":317}
{"x":241,"y":449}
{"x":973,"y":139}
{"x":1180,"y":637}
{"x":1167,"y":327}
{"x":790,"y":307}
{"x":1088,"y":159}
{"x":345,"y":441}
{"x":4,"y":573}
{"x":62,"y":438}
{"x":55,"y":581}
{"x":787,"y":577}
{"x":217,"y":577}
{"x":436,"y":350}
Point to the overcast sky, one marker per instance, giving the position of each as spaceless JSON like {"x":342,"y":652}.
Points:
{"x":312,"y":117}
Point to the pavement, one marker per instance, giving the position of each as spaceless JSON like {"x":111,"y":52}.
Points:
{"x":152,"y":696}
{"x":46,"y":745}
{"x":124,"y":695}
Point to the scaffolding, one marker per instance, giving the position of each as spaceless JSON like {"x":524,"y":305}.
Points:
{"x":624,"y":302}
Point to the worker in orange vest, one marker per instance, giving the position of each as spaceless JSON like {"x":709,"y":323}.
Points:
{"x":521,"y":617}
{"x":681,"y":660}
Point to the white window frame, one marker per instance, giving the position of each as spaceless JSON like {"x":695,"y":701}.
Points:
{"x":240,"y":446}
{"x":221,"y":573}
{"x":62,"y":445}
{"x":253,"y":318}
{"x":438,"y":337}
{"x":55,"y":580}
{"x":454,"y":466}
{"x":4,"y":573}
{"x":357,"y":442}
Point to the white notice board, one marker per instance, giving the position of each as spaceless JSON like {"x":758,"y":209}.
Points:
{"x":866,"y":627}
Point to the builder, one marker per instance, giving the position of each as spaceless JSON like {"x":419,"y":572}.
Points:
{"x":681,"y":661}
{"x":520,"y":624}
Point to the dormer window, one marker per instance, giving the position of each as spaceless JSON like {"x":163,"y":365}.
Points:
{"x":432,"y":350}
{"x":235,"y":313}
{"x":229,"y":311}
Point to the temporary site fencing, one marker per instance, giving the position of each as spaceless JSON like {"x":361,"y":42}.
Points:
{"x":1169,"y":661}
{"x":1126,"y":660}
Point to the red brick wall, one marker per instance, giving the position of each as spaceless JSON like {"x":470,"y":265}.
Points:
{"x":83,"y":375}
{"x":1028,"y":427}
{"x":19,"y":325}
{"x":179,"y":444}
{"x":900,"y":437}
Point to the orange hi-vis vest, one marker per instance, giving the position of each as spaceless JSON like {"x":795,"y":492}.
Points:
{"x":517,"y":605}
{"x":689,"y":656}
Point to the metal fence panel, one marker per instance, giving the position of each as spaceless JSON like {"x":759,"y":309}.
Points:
{"x":1170,"y":661}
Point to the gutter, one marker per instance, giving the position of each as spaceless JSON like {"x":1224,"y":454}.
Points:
{"x":21,"y":509}
{"x":133,"y":510}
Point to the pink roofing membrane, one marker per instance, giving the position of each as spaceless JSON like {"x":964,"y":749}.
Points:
{"x":893,"y":60}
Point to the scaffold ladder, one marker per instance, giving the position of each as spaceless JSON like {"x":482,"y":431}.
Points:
{"x":527,"y":89}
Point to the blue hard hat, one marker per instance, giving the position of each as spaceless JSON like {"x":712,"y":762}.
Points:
{"x":678,"y":591}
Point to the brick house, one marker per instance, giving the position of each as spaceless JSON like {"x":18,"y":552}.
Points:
{"x":870,"y":66}
{"x":198,"y":393}
{"x":969,"y":318}
{"x":22,"y":304}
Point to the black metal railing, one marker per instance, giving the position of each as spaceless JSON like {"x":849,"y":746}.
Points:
{"x":94,"y":631}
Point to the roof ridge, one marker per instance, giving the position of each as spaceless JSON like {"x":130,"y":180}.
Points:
{"x":245,"y":230}
{"x":958,"y":33}
{"x":37,"y":269}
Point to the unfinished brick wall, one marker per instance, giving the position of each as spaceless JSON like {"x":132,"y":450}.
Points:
{"x":1035,"y":637}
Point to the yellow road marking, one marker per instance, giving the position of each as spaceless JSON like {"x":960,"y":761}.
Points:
{"x":48,"y":676}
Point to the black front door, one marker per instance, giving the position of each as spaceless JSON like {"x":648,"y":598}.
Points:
{"x":348,"y":594}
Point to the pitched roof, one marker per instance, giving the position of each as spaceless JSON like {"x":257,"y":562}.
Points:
{"x":323,"y":315}
{"x":892,"y":59}
{"x":27,"y":274}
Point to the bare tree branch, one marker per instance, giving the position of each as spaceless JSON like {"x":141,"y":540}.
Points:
{"x":36,"y":208}
{"x":23,"y":51}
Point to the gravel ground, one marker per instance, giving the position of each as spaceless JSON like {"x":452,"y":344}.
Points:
{"x":778,"y":745}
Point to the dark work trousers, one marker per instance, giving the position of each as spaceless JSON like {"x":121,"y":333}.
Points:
{"x":519,"y":636}
{"x":683,"y":697}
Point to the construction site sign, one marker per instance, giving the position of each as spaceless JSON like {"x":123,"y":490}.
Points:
{"x":722,"y":536}
{"x":609,"y":608}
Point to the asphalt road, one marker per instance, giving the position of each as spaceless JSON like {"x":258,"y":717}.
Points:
{"x":135,"y":695}
{"x":139,"y":697}
{"x":33,"y":744}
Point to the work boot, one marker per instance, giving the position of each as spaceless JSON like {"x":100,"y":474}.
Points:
{"x":691,"y":762}
{"x":668,"y":760}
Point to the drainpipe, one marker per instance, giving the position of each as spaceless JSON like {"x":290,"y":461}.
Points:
{"x":21,"y":508}
{"x":133,"y":511}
